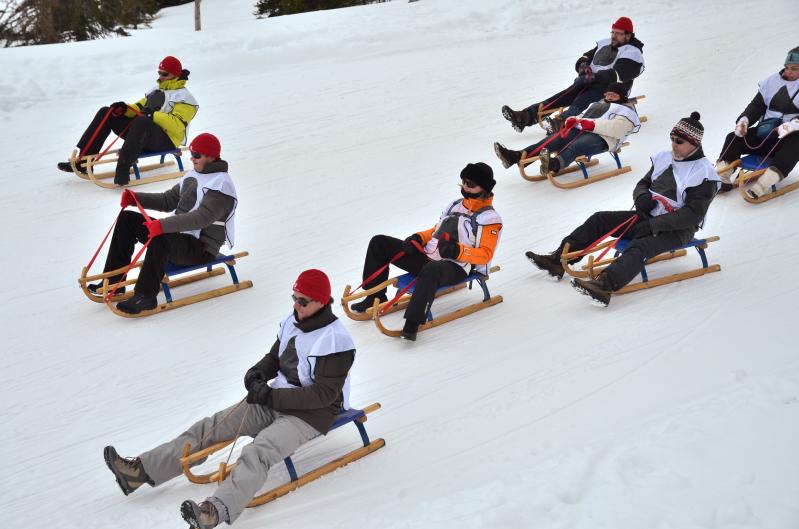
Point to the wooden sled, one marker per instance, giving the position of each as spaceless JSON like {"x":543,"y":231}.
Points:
{"x":355,"y":416}
{"x":750,"y":168}
{"x":556,"y":111}
{"x":348,"y":298}
{"x":593,"y":268}
{"x":581,"y":163}
{"x":91,"y":161}
{"x":229,"y":261}
{"x":402,"y":281}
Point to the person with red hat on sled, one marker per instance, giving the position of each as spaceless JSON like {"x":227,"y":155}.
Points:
{"x":294,"y":394}
{"x":464,"y":240}
{"x":158,"y":122}
{"x":203,"y":206}
{"x":616,"y":59}
{"x":671,"y":202}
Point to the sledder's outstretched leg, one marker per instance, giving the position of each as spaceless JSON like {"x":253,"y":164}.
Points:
{"x":128,"y":231}
{"x":630,"y":263}
{"x":114,"y":123}
{"x":593,"y":228}
{"x":433,"y":275}
{"x":380,"y":251}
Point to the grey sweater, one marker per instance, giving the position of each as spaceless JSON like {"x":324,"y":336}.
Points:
{"x":215,"y":206}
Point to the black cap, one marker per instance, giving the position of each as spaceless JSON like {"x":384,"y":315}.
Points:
{"x":481,"y":174}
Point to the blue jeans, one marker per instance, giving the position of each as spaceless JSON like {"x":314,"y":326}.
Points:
{"x":586,"y":144}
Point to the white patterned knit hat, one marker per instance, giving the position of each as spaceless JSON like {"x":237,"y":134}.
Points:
{"x":689,"y":129}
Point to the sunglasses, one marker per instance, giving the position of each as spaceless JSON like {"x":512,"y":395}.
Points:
{"x":677,"y":140}
{"x":162,"y":74}
{"x":468,"y":183}
{"x":304,"y":302}
{"x":196,"y":155}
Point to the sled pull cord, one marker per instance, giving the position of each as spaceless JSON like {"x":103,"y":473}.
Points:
{"x":378,"y":271}
{"x":562,"y":134}
{"x":628,"y":223}
{"x":96,"y":131}
{"x":91,"y":262}
{"x":136,"y":258}
{"x":399,"y":295}
{"x":236,"y":437}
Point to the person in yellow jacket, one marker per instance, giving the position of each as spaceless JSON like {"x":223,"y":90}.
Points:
{"x":157,"y":122}
{"x":463,"y":241}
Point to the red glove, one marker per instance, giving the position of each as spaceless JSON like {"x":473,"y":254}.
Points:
{"x":571,"y":121}
{"x":154,"y":228}
{"x":587,"y":124}
{"x":128,"y":198}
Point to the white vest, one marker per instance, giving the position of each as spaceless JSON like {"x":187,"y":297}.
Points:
{"x":181,"y":95}
{"x":769,"y":87}
{"x":686,"y":175}
{"x":625,"y":51}
{"x":614,"y":110}
{"x":308,"y":346}
{"x":215,"y":182}
{"x":470,"y":231}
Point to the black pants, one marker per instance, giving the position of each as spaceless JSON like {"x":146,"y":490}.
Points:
{"x":630,"y":263}
{"x":784,"y":157}
{"x":177,"y":248}
{"x":430,"y":275}
{"x":577,"y":98}
{"x":142,"y":136}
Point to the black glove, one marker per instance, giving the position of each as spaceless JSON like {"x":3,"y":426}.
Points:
{"x":118,"y":108}
{"x":408,"y":247}
{"x":259,"y":394}
{"x":642,"y":228}
{"x":580,"y":66}
{"x":644,"y":203}
{"x":449,"y":248}
{"x":253,"y":375}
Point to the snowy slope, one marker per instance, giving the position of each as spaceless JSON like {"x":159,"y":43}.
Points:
{"x":673,"y":408}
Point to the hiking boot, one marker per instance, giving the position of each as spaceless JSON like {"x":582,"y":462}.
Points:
{"x":549,"y":263}
{"x":552,"y":124}
{"x":518,"y":118}
{"x":599,"y":290}
{"x":409,"y":330}
{"x":367,"y":302}
{"x":97,"y":288}
{"x":67,"y":167}
{"x":202,"y":516}
{"x":137,"y":303}
{"x":764,"y":183}
{"x":549,"y":164}
{"x":130,"y":473}
{"x":507,"y":156}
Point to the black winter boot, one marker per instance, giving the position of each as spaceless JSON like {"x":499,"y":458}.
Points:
{"x":550,"y":263}
{"x":507,"y":156}
{"x":552,"y":124}
{"x":67,"y":167}
{"x":598,"y":289}
{"x":409,"y":330}
{"x":519,"y":118}
{"x":130,"y":473}
{"x":202,"y":516}
{"x":137,"y":303}
{"x":367,"y":302}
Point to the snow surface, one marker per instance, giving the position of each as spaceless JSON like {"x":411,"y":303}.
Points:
{"x":672,"y":408}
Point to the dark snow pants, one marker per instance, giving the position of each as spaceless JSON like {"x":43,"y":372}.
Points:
{"x":431,"y":275}
{"x":177,"y":248}
{"x":142,"y":136}
{"x":577,"y":98}
{"x":783,"y":159}
{"x":576,"y":143}
{"x":630,"y":263}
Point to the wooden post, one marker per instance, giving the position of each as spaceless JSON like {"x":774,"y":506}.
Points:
{"x":197,"y":25}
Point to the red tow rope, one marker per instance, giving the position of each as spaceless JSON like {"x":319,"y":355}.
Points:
{"x":627,"y":224}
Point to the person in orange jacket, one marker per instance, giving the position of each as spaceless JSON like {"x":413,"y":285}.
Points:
{"x":464,"y":240}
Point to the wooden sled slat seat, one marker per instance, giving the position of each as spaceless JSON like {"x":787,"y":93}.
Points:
{"x":212,"y":268}
{"x":402,"y":281}
{"x":136,"y":170}
{"x":581,"y":163}
{"x":593,"y":268}
{"x":354,"y":415}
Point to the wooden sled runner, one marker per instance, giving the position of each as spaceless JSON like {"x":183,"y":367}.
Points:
{"x":91,"y":161}
{"x":401,"y":282}
{"x":556,"y":111}
{"x":581,"y":163}
{"x":749,"y":169}
{"x":213,"y":268}
{"x":354,"y":416}
{"x":593,"y":268}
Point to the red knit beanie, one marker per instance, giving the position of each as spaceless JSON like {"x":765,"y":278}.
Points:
{"x":172,"y":65}
{"x":314,"y":284}
{"x":206,"y":144}
{"x":623,"y":24}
